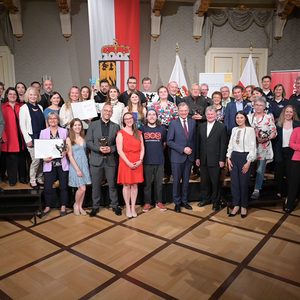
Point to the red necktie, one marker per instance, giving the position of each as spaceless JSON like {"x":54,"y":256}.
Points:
{"x":185,"y":128}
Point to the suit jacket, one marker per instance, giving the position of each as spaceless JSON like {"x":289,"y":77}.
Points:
{"x":177,"y":140}
{"x":93,"y":135}
{"x":62,"y":133}
{"x":211,"y":149}
{"x":177,"y":99}
{"x":295,"y":143}
{"x":277,"y":142}
{"x":196,"y":105}
{"x":229,"y":118}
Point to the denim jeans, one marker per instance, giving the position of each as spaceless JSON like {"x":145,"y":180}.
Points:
{"x":260,"y":172}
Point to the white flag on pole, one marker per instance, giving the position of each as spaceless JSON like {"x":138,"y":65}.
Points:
{"x":249,"y":76}
{"x":178,"y":76}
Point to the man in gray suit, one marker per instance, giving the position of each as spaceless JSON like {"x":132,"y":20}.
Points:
{"x":101,"y":140}
{"x":1,"y":129}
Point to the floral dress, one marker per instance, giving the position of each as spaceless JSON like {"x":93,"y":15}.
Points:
{"x":167,"y":114}
{"x":264,"y":127}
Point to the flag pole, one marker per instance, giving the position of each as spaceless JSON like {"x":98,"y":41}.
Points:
{"x":177,"y":48}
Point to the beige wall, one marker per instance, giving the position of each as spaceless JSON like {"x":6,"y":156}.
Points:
{"x":43,"y":50}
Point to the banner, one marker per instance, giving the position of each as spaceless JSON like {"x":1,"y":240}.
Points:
{"x":215,"y":81}
{"x":287,"y":79}
{"x":114,"y":22}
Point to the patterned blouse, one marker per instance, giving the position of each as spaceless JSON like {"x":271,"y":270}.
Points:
{"x":167,"y":114}
{"x":264,"y":127}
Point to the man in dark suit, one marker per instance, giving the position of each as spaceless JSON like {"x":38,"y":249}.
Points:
{"x":101,"y":140}
{"x":173,"y":91}
{"x":181,"y":141}
{"x":233,"y":107}
{"x":211,"y":152}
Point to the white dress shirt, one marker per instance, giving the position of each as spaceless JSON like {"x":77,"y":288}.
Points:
{"x":209,"y":127}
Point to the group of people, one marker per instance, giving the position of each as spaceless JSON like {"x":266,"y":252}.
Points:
{"x":145,"y":137}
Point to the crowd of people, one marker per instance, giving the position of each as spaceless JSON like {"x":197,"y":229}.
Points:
{"x":146,"y":137}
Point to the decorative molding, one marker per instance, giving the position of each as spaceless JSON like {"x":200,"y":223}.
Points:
{"x":15,"y":17}
{"x":203,"y":6}
{"x":156,"y":8}
{"x":65,"y":17}
{"x":64,"y":6}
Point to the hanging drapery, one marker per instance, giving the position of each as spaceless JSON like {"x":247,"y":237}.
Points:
{"x":239,"y":20}
{"x":5,"y":27}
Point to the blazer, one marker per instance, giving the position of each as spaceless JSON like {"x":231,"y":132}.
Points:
{"x":177,"y":140}
{"x":45,"y":135}
{"x":277,"y":144}
{"x":229,"y":118}
{"x":25,"y":122}
{"x":295,"y":143}
{"x":211,"y":149}
{"x":92,"y":137}
{"x":177,"y":99}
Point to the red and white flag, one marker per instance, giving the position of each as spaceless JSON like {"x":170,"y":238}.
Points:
{"x":110,"y":21}
{"x":249,"y":76}
{"x":178,"y":76}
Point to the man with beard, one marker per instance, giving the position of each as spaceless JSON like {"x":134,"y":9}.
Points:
{"x":48,"y":90}
{"x":154,"y":141}
{"x":101,"y":95}
{"x":131,"y":87}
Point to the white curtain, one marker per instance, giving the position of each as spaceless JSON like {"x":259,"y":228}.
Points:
{"x":102,"y":29}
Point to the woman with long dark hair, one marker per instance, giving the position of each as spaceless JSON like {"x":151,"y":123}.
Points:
{"x":13,"y":144}
{"x":130,"y":148}
{"x":79,"y":175}
{"x":241,"y":152}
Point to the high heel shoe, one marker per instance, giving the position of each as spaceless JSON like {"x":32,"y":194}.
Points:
{"x":234,"y":212}
{"x":244,"y":212}
{"x":134,"y":214}
{"x":128,"y":214}
{"x":76,"y":210}
{"x":82,"y":211}
{"x":232,"y":215}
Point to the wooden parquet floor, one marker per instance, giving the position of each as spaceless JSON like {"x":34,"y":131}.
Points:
{"x":197,"y":254}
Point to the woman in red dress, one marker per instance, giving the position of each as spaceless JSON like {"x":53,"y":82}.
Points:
{"x":130,"y":147}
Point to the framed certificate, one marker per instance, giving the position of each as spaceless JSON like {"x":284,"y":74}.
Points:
{"x":84,"y":110}
{"x":48,"y":148}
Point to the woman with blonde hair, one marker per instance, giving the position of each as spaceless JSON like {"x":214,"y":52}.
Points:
{"x":287,"y":121}
{"x":32,"y":121}
{"x":66,"y":113}
{"x":79,"y":175}
{"x":136,"y":108}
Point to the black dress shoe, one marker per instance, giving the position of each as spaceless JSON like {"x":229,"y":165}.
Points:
{"x":243,"y":216}
{"x":12,"y":184}
{"x":45,"y":213}
{"x":204,"y":202}
{"x":288,"y":210}
{"x":94,"y":212}
{"x":216,"y":207}
{"x":186,"y":206}
{"x":63,"y":213}
{"x":118,"y":210}
{"x":23,"y":180}
{"x":177,"y":208}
